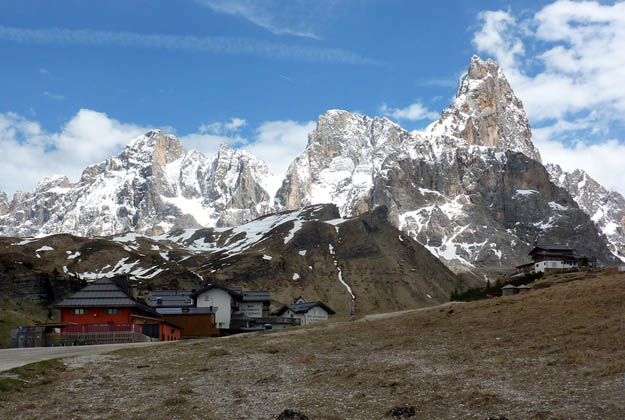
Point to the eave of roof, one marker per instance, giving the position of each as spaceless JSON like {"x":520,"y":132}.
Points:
{"x":300,"y":308}
{"x":214,"y":286}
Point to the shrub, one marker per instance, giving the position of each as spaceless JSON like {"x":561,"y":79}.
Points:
{"x":479,"y":293}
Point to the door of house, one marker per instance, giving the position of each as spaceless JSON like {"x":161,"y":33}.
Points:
{"x":151,"y":330}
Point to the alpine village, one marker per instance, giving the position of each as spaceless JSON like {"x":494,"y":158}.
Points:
{"x":433,"y":274}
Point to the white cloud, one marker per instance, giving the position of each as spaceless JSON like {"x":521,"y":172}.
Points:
{"x":30,"y":153}
{"x":413,"y":112}
{"x":602,"y":161}
{"x":279,"y":142}
{"x":209,"y":44}
{"x":578,"y":49}
{"x":498,"y":36}
{"x":572,"y":83}
{"x":301,"y":18}
{"x":54,"y":96}
{"x":234,"y":125}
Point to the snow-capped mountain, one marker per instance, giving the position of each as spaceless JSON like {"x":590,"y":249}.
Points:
{"x":471,"y":188}
{"x":152,"y":186}
{"x":606,"y":208}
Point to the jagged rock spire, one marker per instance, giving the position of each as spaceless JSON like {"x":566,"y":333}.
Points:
{"x":486,"y":112}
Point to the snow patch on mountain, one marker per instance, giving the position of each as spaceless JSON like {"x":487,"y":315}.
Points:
{"x":605,"y":208}
{"x":151,"y":187}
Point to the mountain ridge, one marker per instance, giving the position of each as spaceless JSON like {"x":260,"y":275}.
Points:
{"x":471,"y":188}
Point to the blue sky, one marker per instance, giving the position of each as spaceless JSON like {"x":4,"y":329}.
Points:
{"x":79,"y":79}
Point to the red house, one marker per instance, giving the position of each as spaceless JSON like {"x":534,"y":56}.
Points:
{"x":103,"y":306}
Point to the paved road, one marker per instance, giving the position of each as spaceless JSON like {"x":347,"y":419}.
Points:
{"x":12,"y":358}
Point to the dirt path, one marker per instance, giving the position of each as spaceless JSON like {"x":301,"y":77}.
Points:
{"x":12,"y":358}
{"x":336,"y":323}
{"x":387,"y":315}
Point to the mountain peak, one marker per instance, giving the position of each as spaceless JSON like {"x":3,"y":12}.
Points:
{"x":480,"y":68}
{"x":53,"y":182}
{"x":155,"y":146}
{"x":486,"y":112}
{"x":224,"y":148}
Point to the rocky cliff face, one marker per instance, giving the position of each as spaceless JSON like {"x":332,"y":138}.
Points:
{"x":471,"y":188}
{"x":606,"y":208}
{"x":345,"y":154}
{"x":4,"y":203}
{"x":152,"y":186}
{"x":486,"y":112}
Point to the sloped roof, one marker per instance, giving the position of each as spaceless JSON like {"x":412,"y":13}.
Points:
{"x":102,"y":293}
{"x":257,"y":296}
{"x":302,"y":308}
{"x":169,"y":300}
{"x":231,"y":291}
{"x":185,"y":311}
{"x":172,"y":292}
{"x":551,"y":247}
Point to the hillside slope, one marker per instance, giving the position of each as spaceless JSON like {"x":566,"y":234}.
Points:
{"x":556,"y":352}
{"x":311,"y":252}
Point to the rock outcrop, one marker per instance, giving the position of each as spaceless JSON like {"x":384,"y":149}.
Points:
{"x":4,"y":203}
{"x":152,"y":186}
{"x":605,"y":208}
{"x":486,"y":112}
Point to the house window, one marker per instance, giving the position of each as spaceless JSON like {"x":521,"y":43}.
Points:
{"x":207,"y":298}
{"x":79,"y":311}
{"x":112,"y":311}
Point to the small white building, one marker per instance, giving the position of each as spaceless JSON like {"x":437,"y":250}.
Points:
{"x":306,"y":312}
{"x":221,"y":299}
{"x":550,"y":258}
{"x":621,"y":268}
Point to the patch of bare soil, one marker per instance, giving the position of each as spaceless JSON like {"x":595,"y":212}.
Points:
{"x":554,"y":353}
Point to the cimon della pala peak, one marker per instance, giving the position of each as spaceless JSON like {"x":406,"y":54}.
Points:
{"x":471,"y":188}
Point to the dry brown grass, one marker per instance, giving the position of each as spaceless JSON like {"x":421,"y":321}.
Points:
{"x":557,"y":352}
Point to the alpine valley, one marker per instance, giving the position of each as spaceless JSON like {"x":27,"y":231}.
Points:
{"x":352,"y":218}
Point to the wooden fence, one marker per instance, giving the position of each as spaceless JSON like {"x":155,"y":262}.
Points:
{"x":100,"y":337}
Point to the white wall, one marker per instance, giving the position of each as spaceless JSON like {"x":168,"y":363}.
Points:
{"x":316,"y":314}
{"x":291,"y":314}
{"x":552,"y":265}
{"x":221,"y":301}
